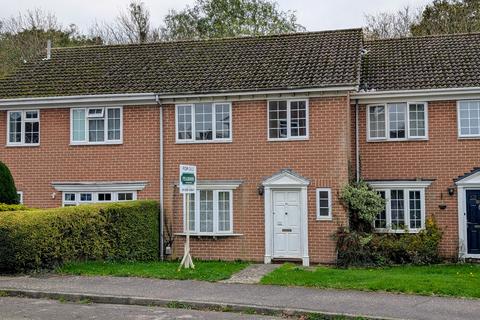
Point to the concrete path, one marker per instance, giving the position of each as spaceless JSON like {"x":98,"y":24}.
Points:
{"x":252,"y":274}
{"x":38,"y":309}
{"x":237,"y":296}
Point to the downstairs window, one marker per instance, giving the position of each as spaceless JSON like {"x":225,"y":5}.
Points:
{"x":210,"y":212}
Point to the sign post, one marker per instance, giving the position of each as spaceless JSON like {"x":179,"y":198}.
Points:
{"x":188,"y":186}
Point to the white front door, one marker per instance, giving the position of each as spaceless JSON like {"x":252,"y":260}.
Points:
{"x":286,"y":224}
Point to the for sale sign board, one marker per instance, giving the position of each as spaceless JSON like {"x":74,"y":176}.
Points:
{"x":188,"y":179}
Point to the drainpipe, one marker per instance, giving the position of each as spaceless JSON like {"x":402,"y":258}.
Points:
{"x":357,"y":145}
{"x":162,"y":256}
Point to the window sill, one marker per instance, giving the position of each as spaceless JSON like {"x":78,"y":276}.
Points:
{"x":399,"y":231}
{"x":22,"y":145}
{"x":324,"y":218}
{"x":398,"y":140}
{"x":287,"y":139}
{"x":468,"y":137}
{"x":202,"y":141}
{"x":95,"y":143}
{"x":211,"y":235}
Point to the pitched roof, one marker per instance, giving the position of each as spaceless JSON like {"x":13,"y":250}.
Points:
{"x":290,"y":61}
{"x":432,"y":62}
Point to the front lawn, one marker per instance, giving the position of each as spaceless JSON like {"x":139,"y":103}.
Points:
{"x":204,"y":270}
{"x":460,"y":280}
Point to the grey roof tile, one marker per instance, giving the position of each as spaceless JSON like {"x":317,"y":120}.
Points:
{"x":290,"y":61}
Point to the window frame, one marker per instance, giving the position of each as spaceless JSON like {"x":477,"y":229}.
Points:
{"x":104,"y":116}
{"x":95,"y":194}
{"x":459,"y":126}
{"x":214,"y":123}
{"x":406,"y":205}
{"x":20,"y":196}
{"x":408,"y":137}
{"x":330,"y":204}
{"x":215,"y":232}
{"x":22,"y":129}
{"x":289,"y":137}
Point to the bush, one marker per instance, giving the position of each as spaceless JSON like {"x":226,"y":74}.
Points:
{"x":8,"y":192}
{"x":44,"y":239}
{"x":363,"y":205}
{"x":12,"y":207}
{"x":365,"y":249}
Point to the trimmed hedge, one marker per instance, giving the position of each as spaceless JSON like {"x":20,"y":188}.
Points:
{"x":12,"y":207}
{"x":44,"y":239}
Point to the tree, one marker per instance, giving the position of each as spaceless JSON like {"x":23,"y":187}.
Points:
{"x":228,"y":18}
{"x":448,"y":17}
{"x":8,"y":192}
{"x":24,"y":37}
{"x":391,"y":24}
{"x":132,"y":26}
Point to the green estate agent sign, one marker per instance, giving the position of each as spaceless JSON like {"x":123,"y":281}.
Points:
{"x":188,"y":179}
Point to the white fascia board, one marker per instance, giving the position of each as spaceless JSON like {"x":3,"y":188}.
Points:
{"x":76,"y":101}
{"x":254,"y":95}
{"x":417,"y":95}
{"x":99,"y":186}
{"x":400,"y":184}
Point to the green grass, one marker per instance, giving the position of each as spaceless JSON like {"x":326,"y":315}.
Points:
{"x":459,"y":280}
{"x":204,"y":270}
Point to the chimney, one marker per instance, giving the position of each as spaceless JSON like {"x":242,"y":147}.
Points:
{"x":49,"y":49}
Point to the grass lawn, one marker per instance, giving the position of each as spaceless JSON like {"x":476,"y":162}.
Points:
{"x":204,"y":270}
{"x":459,"y":280}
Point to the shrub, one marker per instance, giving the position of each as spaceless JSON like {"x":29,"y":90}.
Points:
{"x":363,"y":205}
{"x":360,"y":249}
{"x":8,"y":192}
{"x":12,"y":207}
{"x":44,"y":239}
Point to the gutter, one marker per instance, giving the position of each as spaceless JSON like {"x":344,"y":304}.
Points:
{"x":162,"y":255}
{"x":84,"y":100}
{"x":424,"y":94}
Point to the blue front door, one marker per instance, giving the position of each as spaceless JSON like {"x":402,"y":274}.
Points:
{"x":473,"y":221}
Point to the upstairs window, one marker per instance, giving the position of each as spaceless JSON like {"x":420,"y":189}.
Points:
{"x":204,"y":122}
{"x":96,"y":125}
{"x":287,"y":119}
{"x":469,"y":119}
{"x":23,"y":128}
{"x":397,"y":121}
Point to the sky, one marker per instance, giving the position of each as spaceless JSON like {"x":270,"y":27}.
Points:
{"x":315,"y":15}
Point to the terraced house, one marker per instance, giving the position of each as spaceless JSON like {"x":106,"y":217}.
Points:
{"x":276,"y":126}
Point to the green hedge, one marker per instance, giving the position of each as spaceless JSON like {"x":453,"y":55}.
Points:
{"x":12,"y":207}
{"x":44,"y":239}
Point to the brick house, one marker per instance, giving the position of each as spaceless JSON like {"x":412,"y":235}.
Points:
{"x":276,"y":126}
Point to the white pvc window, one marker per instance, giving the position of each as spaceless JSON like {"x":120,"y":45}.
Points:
{"x":23,"y":128}
{"x":20,"y":197}
{"x":287,"y":119}
{"x":404,"y":210}
{"x":324,"y":204}
{"x":96,"y":125}
{"x":204,"y":122}
{"x":469,"y":119}
{"x":77,"y":198}
{"x":397,"y":121}
{"x":211,"y":212}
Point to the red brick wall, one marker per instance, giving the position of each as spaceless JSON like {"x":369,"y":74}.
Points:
{"x":443,"y":157}
{"x":35,"y":168}
{"x":323,"y":159}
